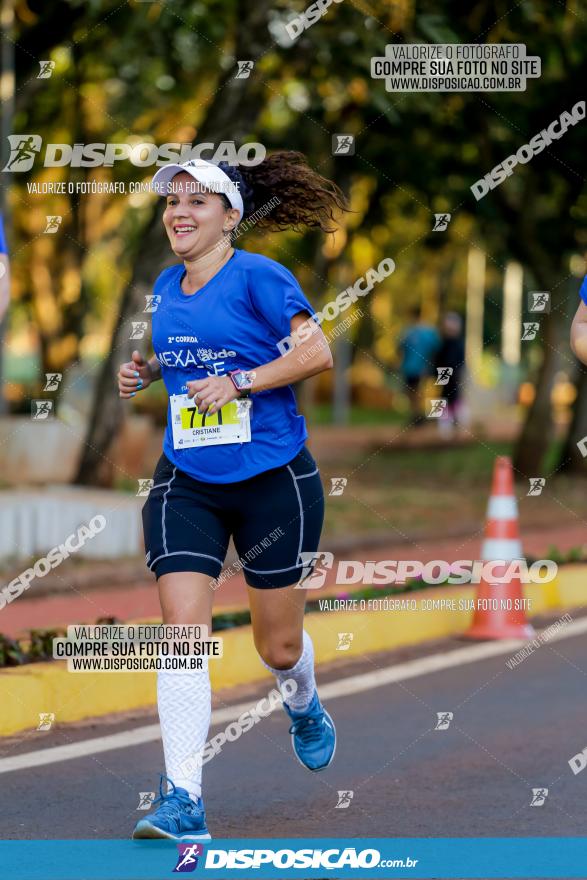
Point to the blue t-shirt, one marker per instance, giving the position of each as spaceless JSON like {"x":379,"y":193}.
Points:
{"x":3,"y":245}
{"x":419,"y":346}
{"x":583,"y":290}
{"x":234,"y":322}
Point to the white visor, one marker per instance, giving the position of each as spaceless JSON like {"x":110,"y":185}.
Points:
{"x":209,"y":175}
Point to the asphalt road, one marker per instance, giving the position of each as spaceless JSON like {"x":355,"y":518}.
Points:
{"x":513,"y":730}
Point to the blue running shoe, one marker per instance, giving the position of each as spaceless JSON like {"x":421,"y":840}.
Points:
{"x":313,"y":735}
{"x":178,"y":817}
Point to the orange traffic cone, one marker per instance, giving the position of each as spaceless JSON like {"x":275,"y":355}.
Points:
{"x":499,"y":611}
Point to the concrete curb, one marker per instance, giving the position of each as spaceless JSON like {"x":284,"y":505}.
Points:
{"x":49,"y":687}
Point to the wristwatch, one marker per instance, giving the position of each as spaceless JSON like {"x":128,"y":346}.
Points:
{"x":242,"y":381}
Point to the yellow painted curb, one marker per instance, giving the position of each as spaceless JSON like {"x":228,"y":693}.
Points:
{"x":27,"y":691}
{"x":571,"y":583}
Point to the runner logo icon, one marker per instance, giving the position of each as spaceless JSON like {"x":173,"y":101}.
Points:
{"x":539,"y":796}
{"x":314,"y":570}
{"x":441,"y":222}
{"x":146,"y":799}
{"x":187,"y":860}
{"x":23,"y":149}
{"x":444,"y":719}
{"x":344,"y":800}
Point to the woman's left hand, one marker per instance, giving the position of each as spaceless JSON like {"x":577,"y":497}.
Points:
{"x":212,"y":393}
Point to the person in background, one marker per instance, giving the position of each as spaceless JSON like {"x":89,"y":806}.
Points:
{"x":418,"y":346}
{"x":4,"y":273}
{"x":451,"y":357}
{"x":579,"y":326}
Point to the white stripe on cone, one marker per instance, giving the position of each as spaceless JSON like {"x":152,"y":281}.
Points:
{"x":502,"y":507}
{"x":496,"y":549}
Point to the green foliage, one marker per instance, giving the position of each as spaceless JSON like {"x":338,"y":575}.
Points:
{"x":564,"y":557}
{"x":11,"y":652}
{"x":149,"y":71}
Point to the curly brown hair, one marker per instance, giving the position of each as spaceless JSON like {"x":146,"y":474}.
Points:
{"x":297,"y":195}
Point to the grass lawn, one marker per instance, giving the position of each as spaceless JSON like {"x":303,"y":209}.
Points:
{"x":436,"y":492}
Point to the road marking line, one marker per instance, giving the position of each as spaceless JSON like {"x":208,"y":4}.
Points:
{"x":347,"y":686}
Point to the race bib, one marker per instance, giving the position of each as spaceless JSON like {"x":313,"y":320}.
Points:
{"x":231,"y":424}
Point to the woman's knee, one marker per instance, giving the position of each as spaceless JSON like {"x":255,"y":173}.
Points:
{"x":280,"y":653}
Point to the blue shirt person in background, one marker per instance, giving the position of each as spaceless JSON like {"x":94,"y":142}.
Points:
{"x":4,"y":272}
{"x":418,"y":345}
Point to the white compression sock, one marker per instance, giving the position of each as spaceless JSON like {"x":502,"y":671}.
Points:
{"x":303,"y":675}
{"x":185,"y":705}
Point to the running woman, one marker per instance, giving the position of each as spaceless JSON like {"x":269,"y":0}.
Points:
{"x":234,"y":457}
{"x":579,"y":326}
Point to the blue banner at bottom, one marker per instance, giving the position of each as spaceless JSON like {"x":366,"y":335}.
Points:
{"x":414,"y":857}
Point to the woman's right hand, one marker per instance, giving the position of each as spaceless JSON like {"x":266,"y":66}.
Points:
{"x":136,"y":375}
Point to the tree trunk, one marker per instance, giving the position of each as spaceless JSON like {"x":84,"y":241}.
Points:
{"x":519,"y":217}
{"x":232,"y":115}
{"x":537,"y":432}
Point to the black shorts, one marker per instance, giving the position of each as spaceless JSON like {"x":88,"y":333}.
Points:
{"x":273,"y":518}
